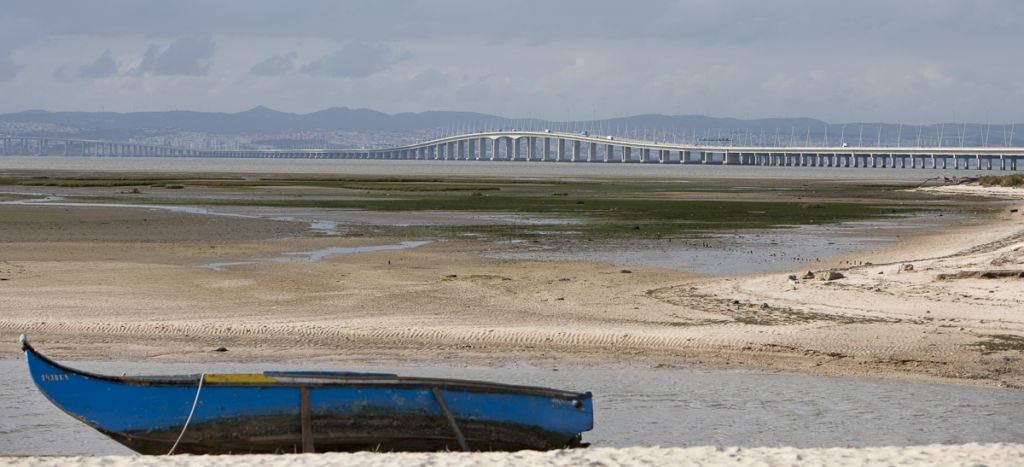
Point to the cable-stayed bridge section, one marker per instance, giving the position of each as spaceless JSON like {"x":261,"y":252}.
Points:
{"x":546,"y":146}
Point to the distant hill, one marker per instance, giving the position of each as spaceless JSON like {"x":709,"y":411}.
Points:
{"x":265,"y":120}
{"x":260,"y":121}
{"x":253,"y":121}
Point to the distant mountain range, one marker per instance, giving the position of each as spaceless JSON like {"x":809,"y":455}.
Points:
{"x":265,"y":120}
{"x":262,"y":121}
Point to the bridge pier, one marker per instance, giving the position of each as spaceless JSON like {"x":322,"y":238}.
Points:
{"x":510,"y":149}
{"x":475,"y":147}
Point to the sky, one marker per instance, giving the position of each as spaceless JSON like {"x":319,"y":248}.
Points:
{"x":909,"y":61}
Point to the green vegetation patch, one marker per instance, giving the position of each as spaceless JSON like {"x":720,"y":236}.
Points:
{"x":1001,"y":342}
{"x":1015,"y":180}
{"x":586,"y":217}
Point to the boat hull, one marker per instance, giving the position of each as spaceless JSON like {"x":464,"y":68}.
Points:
{"x":275,"y":435}
{"x":306,"y":412}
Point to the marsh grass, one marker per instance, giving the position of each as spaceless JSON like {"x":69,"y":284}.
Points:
{"x":586,"y":209}
{"x":1015,"y":180}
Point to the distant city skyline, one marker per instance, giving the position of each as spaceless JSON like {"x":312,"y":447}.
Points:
{"x":914,"y":61}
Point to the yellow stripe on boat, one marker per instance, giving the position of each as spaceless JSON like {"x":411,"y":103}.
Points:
{"x":239,"y":378}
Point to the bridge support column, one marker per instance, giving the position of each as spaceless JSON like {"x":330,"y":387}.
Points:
{"x":592,"y":153}
{"x":547,"y":148}
{"x":510,"y":149}
{"x":577,"y":154}
{"x":560,"y":150}
{"x":609,"y":152}
{"x":627,"y":154}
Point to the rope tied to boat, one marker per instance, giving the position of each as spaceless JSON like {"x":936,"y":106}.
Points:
{"x":190,"y":412}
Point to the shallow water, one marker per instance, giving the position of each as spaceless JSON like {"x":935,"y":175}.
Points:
{"x":745,"y":252}
{"x":633,"y":407}
{"x":315,"y":255}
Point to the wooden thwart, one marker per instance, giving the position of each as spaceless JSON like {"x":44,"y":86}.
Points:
{"x":451,"y":420}
{"x":306,"y":416}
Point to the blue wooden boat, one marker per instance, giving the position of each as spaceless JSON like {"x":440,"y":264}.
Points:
{"x":285,"y":412}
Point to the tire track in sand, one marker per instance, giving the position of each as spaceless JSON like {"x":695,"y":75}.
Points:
{"x":639,"y":338}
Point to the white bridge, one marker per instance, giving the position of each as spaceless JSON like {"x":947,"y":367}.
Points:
{"x":546,"y":146}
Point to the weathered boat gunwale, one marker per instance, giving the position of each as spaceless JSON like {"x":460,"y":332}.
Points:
{"x":182,"y":380}
{"x":313,"y":381}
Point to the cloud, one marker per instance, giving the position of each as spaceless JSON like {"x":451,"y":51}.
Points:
{"x":8,"y":68}
{"x":871,"y":59}
{"x":274,"y":66}
{"x":188,"y":56}
{"x":354,"y":60}
{"x":103,"y":67}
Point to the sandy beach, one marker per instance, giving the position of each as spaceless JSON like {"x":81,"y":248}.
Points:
{"x":992,"y":455}
{"x":114,"y":283}
{"x":108,"y":283}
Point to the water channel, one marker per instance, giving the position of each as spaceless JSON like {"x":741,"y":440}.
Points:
{"x":634,"y":406}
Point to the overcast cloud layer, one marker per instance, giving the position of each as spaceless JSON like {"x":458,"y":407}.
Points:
{"x":911,"y":61}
